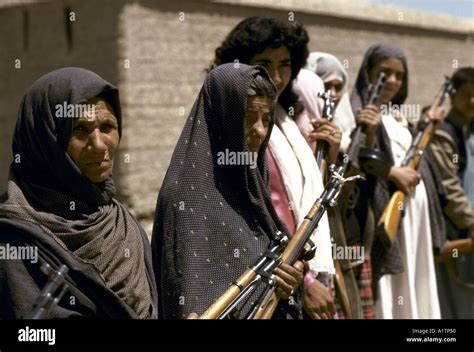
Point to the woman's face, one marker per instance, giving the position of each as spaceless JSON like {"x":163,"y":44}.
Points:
{"x":277,"y":62}
{"x":463,"y":101}
{"x":257,"y":120}
{"x":94,"y":140}
{"x":336,"y":87}
{"x":395,"y":71}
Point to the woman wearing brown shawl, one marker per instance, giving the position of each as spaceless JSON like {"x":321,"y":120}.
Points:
{"x":403,"y":275}
{"x":214,"y":215}
{"x":60,"y":199}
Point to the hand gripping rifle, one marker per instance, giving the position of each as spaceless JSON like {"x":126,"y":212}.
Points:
{"x":321,"y":145}
{"x":46,"y":301}
{"x":360,"y":159}
{"x":392,"y":214}
{"x":284,"y":251}
{"x":370,"y":160}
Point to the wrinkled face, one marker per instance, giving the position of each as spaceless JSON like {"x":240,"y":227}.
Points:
{"x":463,"y":101}
{"x":336,"y":87}
{"x":257,"y":120}
{"x":94,"y":140}
{"x":277,"y":62}
{"x":395,"y":71}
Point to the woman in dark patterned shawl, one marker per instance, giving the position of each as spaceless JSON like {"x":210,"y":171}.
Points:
{"x":214,"y":216}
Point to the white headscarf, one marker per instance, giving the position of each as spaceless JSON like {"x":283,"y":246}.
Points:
{"x":303,"y":183}
{"x":328,"y":68}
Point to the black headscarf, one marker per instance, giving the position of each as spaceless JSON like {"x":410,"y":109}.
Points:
{"x":48,"y":189}
{"x":40,"y":140}
{"x":212,"y":221}
{"x":388,"y":260}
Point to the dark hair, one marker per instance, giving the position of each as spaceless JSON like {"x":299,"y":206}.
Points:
{"x":255,"y":34}
{"x":262,"y":88}
{"x":462,"y":76}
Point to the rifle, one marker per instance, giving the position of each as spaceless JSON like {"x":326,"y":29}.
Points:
{"x":362,"y":159}
{"x":392,"y":214}
{"x":460,"y":247}
{"x":299,"y":247}
{"x":372,"y":161}
{"x":46,"y":301}
{"x":321,"y":153}
{"x":321,"y":145}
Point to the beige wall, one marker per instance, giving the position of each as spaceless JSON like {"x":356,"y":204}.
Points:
{"x":166,"y":59}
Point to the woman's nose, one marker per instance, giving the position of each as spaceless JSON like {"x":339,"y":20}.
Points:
{"x":276,"y":77}
{"x":259,"y":129}
{"x":96,"y":141}
{"x":392,"y":78}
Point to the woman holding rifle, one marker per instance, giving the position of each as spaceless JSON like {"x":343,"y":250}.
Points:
{"x":295,"y":180}
{"x":214,"y":216}
{"x":403,"y":275}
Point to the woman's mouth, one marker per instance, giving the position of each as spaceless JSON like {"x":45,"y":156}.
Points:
{"x":98,"y":164}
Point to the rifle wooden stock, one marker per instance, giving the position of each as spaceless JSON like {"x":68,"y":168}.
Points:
{"x":266,"y":312}
{"x":391,"y":217}
{"x":392,"y":214}
{"x":290,"y":255}
{"x":223,"y":301}
{"x":464,"y":246}
{"x":283,"y":251}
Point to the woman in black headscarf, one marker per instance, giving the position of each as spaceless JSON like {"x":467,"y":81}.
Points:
{"x":406,"y":269}
{"x":214,"y":215}
{"x":60,"y":200}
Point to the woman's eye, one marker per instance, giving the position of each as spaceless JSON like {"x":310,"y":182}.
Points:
{"x":80,"y":128}
{"x":108,"y":127}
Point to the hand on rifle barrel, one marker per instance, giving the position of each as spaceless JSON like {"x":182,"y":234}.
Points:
{"x":318,"y":302}
{"x":329,"y":132}
{"x":406,"y":179}
{"x":288,"y":278}
{"x":436,"y":116}
{"x":369,"y":116}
